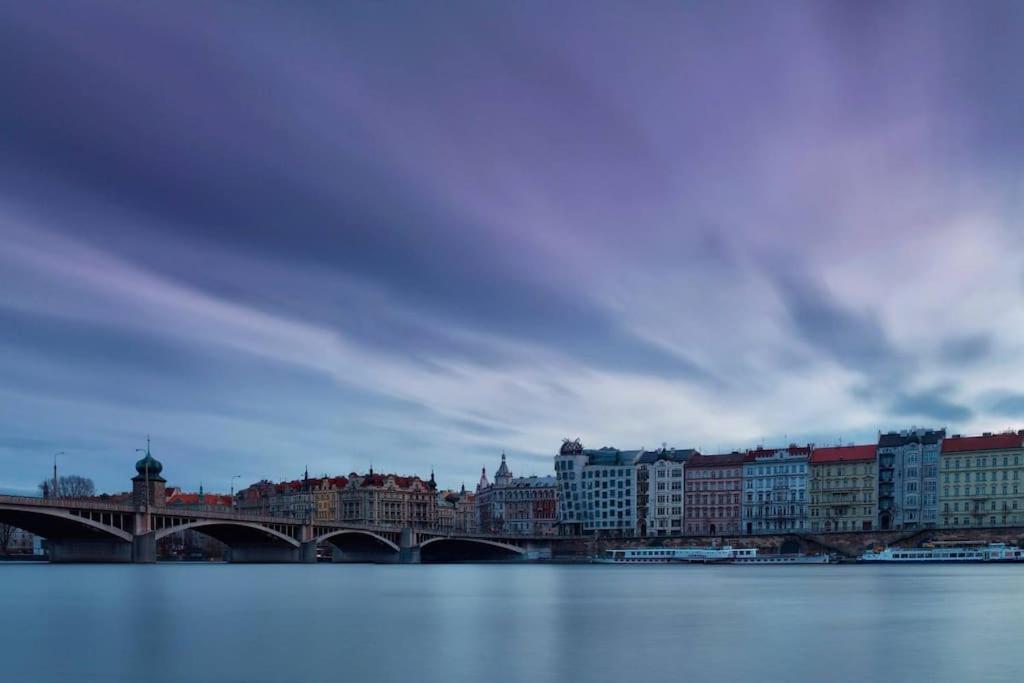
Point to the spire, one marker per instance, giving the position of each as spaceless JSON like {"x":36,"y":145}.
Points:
{"x":483,"y":479}
{"x":432,"y":484}
{"x":504,"y":474}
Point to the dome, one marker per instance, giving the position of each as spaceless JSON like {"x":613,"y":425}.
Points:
{"x":149,"y":466}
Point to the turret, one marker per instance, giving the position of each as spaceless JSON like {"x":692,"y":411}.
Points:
{"x":503,"y":477}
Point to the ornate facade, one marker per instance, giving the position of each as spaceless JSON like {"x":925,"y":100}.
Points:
{"x":843,"y":488}
{"x":516,"y":505}
{"x":982,"y":480}
{"x":714,"y":485}
{"x":775,"y":489}
{"x":456,"y":511}
{"x":388,"y":499}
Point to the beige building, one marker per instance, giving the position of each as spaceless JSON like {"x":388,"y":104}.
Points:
{"x":842,"y":486}
{"x":455,"y":511}
{"x":981,"y":480}
{"x":327,"y":498}
{"x":389,"y":499}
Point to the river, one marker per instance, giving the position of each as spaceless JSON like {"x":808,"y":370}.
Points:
{"x":505,"y":623}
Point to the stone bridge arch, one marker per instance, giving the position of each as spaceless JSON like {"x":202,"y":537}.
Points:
{"x":231,"y":532}
{"x":360,"y":545}
{"x":55,"y":523}
{"x":468,"y":549}
{"x":101,"y":536}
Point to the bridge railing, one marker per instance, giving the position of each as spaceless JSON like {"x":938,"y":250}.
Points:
{"x":66,"y":503}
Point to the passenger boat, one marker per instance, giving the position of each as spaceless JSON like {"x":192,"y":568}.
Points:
{"x":723,"y":555}
{"x":941,"y":552}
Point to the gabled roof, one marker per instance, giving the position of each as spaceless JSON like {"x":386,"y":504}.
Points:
{"x":831,"y":454}
{"x":985,"y":442}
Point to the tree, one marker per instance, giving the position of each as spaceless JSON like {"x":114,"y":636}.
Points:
{"x":71,"y":486}
{"x":6,"y":532}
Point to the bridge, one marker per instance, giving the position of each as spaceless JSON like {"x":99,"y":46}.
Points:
{"x":96,"y":531}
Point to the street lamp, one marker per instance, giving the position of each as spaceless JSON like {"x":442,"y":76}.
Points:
{"x":56,"y":481}
{"x":233,"y":477}
{"x":146,"y":451}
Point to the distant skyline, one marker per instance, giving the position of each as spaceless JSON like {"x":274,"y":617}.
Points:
{"x":416,"y":235}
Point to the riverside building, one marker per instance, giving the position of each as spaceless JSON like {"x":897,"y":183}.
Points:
{"x":908,"y":478}
{"x":661,"y":502}
{"x":516,"y":505}
{"x":775,"y":490}
{"x":714,"y":485}
{"x":982,"y":480}
{"x":597,"y":490}
{"x":843,"y":488}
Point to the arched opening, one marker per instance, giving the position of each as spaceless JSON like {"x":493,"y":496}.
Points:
{"x":245,"y":541}
{"x":360,"y":546}
{"x":468,"y":550}
{"x":70,"y":538}
{"x":790,"y":546}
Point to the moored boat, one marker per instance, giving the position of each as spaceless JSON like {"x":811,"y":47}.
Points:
{"x":694,"y":555}
{"x":938,"y":552}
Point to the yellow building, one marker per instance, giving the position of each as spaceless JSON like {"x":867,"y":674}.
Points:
{"x":981,"y":480}
{"x":843,"y":488}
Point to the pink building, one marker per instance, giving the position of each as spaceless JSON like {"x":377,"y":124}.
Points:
{"x":714,"y":484}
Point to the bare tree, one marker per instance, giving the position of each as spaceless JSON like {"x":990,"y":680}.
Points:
{"x":6,"y":532}
{"x":71,"y":486}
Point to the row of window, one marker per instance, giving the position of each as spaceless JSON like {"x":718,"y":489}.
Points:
{"x":981,"y":461}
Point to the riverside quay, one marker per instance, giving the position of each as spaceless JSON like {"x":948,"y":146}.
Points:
{"x":909,"y":487}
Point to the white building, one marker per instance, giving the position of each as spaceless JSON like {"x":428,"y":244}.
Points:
{"x":775,"y":490}
{"x":660,"y":476}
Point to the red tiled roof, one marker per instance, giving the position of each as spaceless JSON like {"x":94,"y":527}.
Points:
{"x":176,"y":497}
{"x":400,"y":482}
{"x":993,"y":442}
{"x":843,"y":454}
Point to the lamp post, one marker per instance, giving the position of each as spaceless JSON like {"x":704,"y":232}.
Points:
{"x":146,"y":451}
{"x":56,"y":481}
{"x":233,"y":477}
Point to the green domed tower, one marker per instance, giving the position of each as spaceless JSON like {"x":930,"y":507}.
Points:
{"x":148,"y":486}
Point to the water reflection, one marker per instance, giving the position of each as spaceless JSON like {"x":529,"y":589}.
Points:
{"x":510,"y":623}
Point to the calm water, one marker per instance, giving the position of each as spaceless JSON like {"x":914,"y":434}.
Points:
{"x":510,"y":623}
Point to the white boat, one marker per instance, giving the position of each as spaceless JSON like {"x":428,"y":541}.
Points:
{"x":991,"y":552}
{"x":724,"y":555}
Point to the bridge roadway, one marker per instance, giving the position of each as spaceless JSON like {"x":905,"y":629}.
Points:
{"x":96,"y":531}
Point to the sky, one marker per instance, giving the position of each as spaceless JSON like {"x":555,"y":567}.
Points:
{"x":418,"y":235}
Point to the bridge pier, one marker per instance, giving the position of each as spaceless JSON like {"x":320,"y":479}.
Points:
{"x":144,"y":548}
{"x":408,"y":549}
{"x":307,"y":553}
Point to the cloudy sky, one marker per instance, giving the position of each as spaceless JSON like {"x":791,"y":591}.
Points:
{"x":418,"y":234}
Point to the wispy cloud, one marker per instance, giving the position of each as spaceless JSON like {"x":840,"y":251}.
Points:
{"x":412,"y":237}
